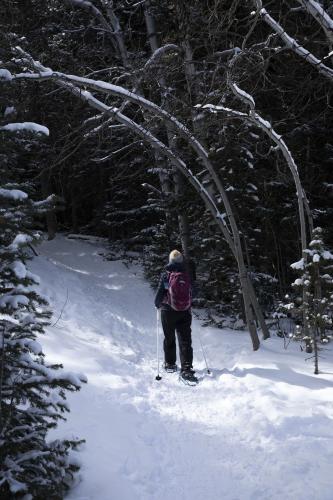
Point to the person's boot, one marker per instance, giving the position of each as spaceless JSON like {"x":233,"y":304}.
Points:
{"x":170,"y":368}
{"x":187,"y":376}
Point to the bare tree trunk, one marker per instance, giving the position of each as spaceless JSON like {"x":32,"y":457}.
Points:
{"x":117,"y":32}
{"x":318,"y":293}
{"x":315,"y":349}
{"x":248,"y":299}
{"x":183,"y":224}
{"x":75,"y":225}
{"x":51,"y":220}
{"x":258,"y":311}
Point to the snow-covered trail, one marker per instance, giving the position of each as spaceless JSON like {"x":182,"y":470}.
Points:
{"x":259,"y":428}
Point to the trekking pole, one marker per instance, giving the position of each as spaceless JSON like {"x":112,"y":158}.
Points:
{"x":204,"y":354}
{"x":158,"y":377}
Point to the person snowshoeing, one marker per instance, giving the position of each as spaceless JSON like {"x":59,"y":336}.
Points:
{"x":174,"y":298}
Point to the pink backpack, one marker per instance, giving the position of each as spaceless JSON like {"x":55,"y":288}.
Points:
{"x":179,"y":295}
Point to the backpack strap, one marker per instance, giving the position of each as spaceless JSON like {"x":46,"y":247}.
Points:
{"x":166,"y":277}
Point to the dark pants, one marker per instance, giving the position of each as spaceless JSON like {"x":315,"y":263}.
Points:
{"x":180,"y":322}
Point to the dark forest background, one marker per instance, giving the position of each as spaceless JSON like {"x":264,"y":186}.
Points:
{"x":112,"y":184}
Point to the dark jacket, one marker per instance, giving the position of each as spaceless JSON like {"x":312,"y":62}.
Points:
{"x":161,"y":290}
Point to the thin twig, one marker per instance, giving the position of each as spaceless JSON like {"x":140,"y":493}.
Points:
{"x":62,"y":310}
{"x":32,"y":249}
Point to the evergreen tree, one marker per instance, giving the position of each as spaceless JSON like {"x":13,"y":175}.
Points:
{"x":316,"y":280}
{"x":32,"y":392}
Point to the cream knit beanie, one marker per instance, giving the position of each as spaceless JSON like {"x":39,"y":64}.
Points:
{"x":175,"y":256}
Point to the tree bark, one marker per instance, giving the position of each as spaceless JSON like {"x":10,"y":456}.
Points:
{"x":183,"y":224}
{"x":51,"y":220}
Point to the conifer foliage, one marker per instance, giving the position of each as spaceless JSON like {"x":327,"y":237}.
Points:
{"x":32,"y":392}
{"x":314,"y":295}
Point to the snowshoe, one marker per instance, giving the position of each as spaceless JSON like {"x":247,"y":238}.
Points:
{"x":169,"y":368}
{"x":188,"y":377}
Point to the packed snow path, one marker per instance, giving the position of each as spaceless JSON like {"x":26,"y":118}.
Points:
{"x":259,"y":428}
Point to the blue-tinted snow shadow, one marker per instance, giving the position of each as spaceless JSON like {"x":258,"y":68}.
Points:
{"x":282,"y":373}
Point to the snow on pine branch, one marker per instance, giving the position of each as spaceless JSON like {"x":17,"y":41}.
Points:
{"x":300,"y":264}
{"x":20,"y":240}
{"x":13,"y":194}
{"x":11,"y":301}
{"x":45,"y":374}
{"x":19,"y":269}
{"x":326,"y":254}
{"x":9,"y":110}
{"x":5,"y":74}
{"x":26,"y":127}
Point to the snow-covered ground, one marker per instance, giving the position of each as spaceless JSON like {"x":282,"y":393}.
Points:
{"x":260,"y":427}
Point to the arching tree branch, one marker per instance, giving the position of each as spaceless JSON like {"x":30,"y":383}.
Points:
{"x":74,"y":84}
{"x":292,"y":44}
{"x":320,"y":15}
